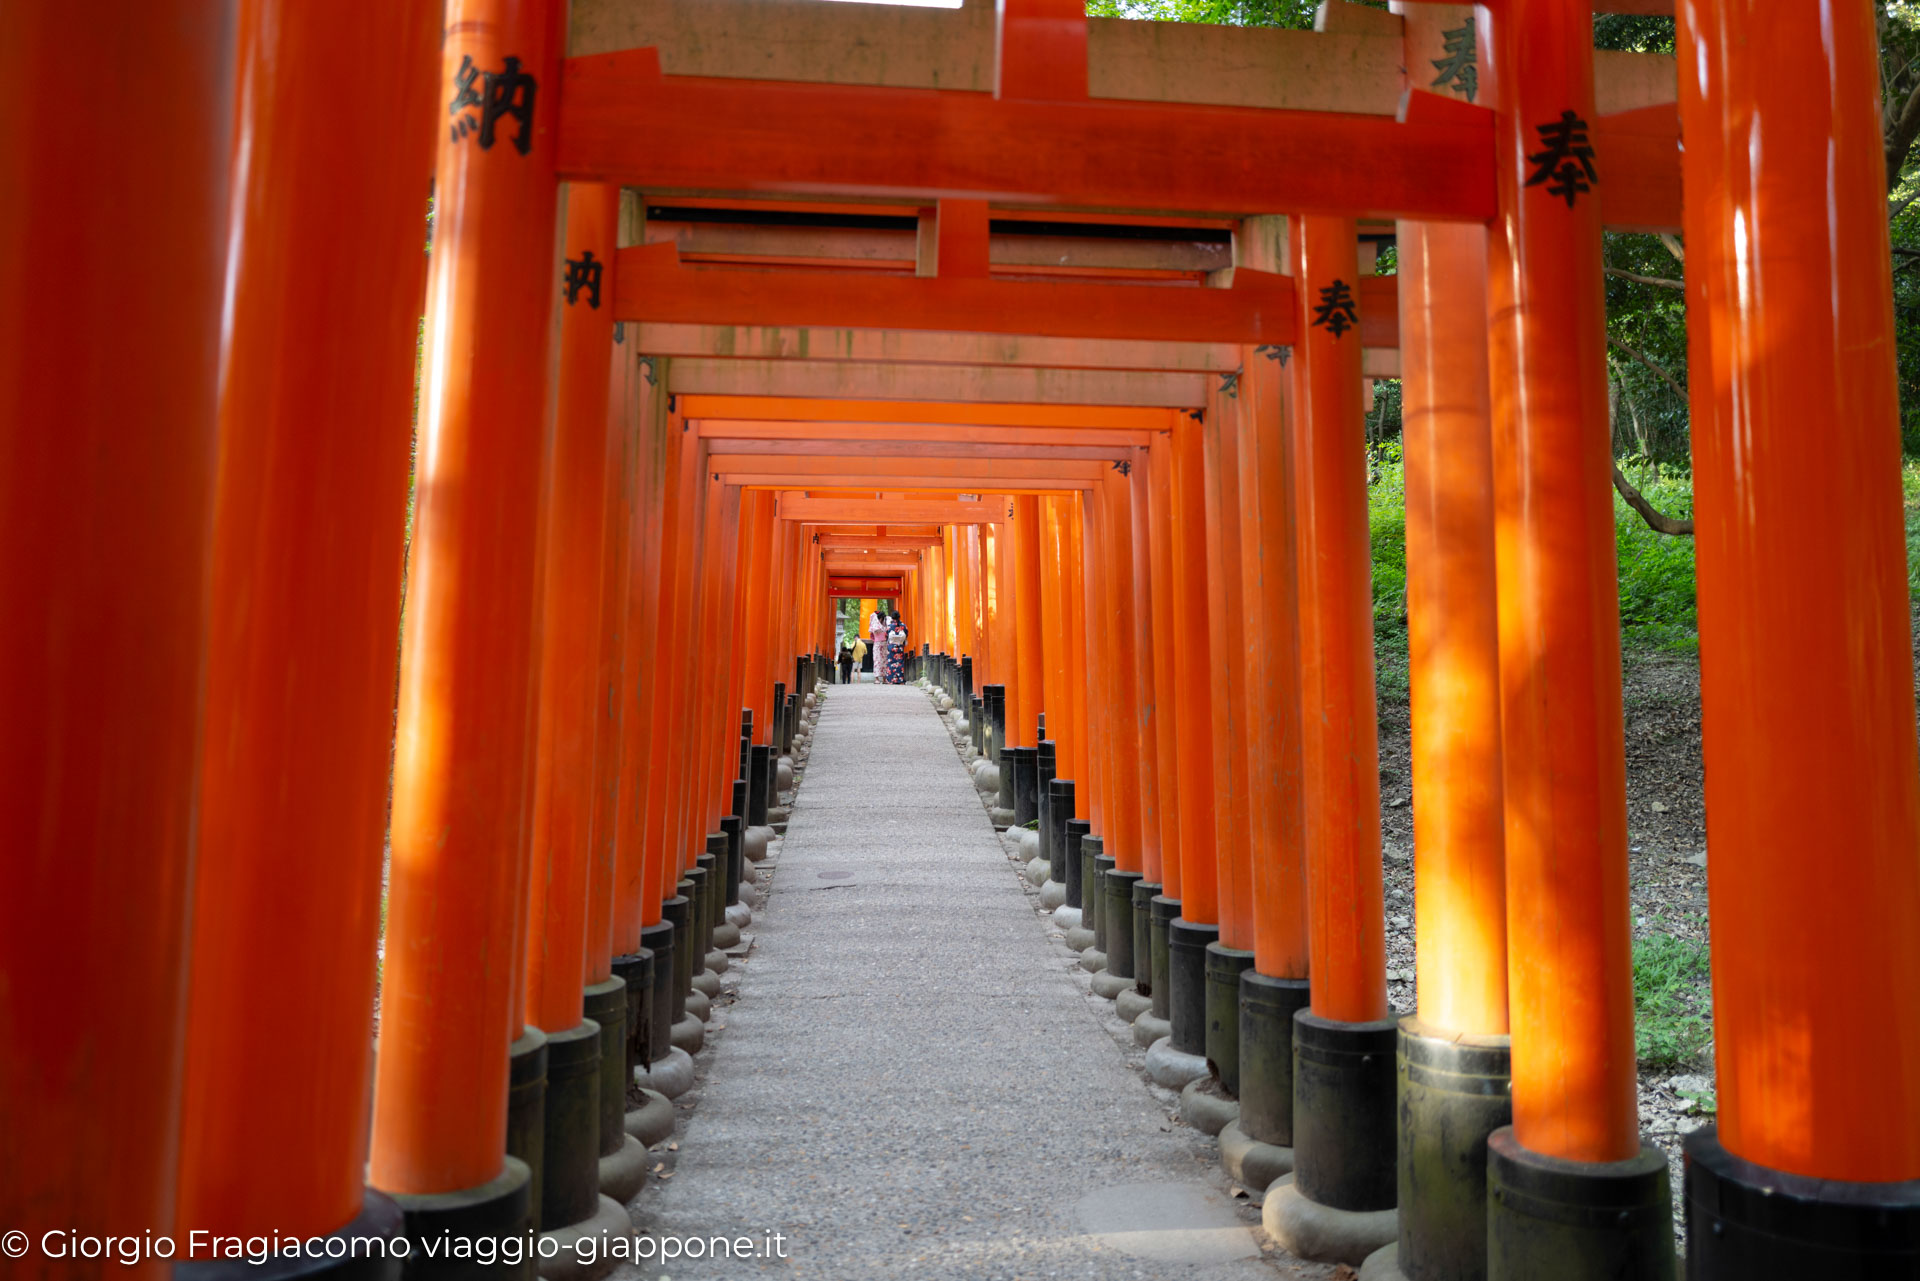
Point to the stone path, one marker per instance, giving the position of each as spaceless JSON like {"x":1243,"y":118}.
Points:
{"x":910,"y":1082}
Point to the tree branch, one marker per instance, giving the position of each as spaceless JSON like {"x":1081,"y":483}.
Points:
{"x":1661,"y":281}
{"x":1900,"y":137}
{"x":1657,"y":521}
{"x":1644,"y":359}
{"x":1674,"y":247}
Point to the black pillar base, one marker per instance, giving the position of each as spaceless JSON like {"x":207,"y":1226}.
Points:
{"x":570,"y":1142}
{"x":357,"y":1258}
{"x":1054,"y":841}
{"x":1117,"y":915}
{"x":734,"y":830}
{"x":659,"y":940}
{"x":1344,"y":1140}
{"x":527,"y":1112}
{"x":1454,"y":1092}
{"x":1224,"y":967}
{"x":1141,"y":913}
{"x":759,"y":764}
{"x":678,"y":912}
{"x":636,"y":971}
{"x":1162,"y":913}
{"x":1092,"y":848}
{"x":700,"y":878}
{"x":1267,"y":1007}
{"x":498,"y":1209}
{"x":1187,"y":983}
{"x":1026,"y":785}
{"x":606,"y":1005}
{"x":1071,"y":864}
{"x":1577,"y":1220}
{"x":1754,"y":1223}
{"x":1102,"y":927}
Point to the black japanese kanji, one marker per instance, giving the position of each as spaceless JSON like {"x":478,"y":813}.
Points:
{"x":1336,"y":312}
{"x":1461,"y":66}
{"x":507,"y":93}
{"x":584,"y":275}
{"x":1565,"y":162}
{"x":1230,"y":384}
{"x":1275,"y":353}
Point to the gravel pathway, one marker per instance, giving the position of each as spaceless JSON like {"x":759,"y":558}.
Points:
{"x":909,"y":1082}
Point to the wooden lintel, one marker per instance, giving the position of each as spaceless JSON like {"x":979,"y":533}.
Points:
{"x":929,"y":483}
{"x":757,"y":407}
{"x":740,"y":451}
{"x":888,"y":511}
{"x":949,"y":384}
{"x":923,"y":347}
{"x":744,"y":435}
{"x":876,"y":542}
{"x":880,"y":467}
{"x":622,"y":121}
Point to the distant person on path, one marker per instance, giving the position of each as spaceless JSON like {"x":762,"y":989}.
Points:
{"x":877,"y":643}
{"x":896,"y":665}
{"x":846,"y":664}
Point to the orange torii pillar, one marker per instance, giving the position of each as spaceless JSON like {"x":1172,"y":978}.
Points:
{"x":585,"y":1024}
{"x":1029,"y":686}
{"x":463,"y":756}
{"x":1275,"y":988}
{"x":308,"y":530}
{"x":1002,"y":656}
{"x":613,"y":930}
{"x":1091,"y":790}
{"x":1230,"y":951}
{"x":755,"y":574}
{"x":1813,"y":1168}
{"x":1197,"y":919}
{"x":106,"y":496}
{"x":1343,"y":1076}
{"x":1452,"y":1093}
{"x":1119,"y":840}
{"x":666,"y":856}
{"x":1056,"y":752}
{"x":728,"y":785}
{"x":1132,"y":884}
{"x":1162,"y":899}
{"x":1573,"y":1191}
{"x":641,"y":937}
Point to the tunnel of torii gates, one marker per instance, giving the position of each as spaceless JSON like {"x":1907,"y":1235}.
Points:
{"x":1064,"y":327}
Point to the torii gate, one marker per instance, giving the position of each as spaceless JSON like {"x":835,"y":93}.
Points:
{"x":612,"y":543}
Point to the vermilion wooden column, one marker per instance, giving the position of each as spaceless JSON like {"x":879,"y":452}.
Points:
{"x":634,"y":907}
{"x":1148,"y":706}
{"x":1341,"y":760}
{"x":574,"y":543}
{"x":1191,"y":616}
{"x":1123,"y":718}
{"x":1806,"y":671}
{"x":1090,"y":795}
{"x":463,"y":752}
{"x":1227,"y":634}
{"x":309,"y":530}
{"x":1343,"y":1045}
{"x":107,"y":454}
{"x":1077,"y":650}
{"x":1569,"y":970}
{"x":1166,"y":639}
{"x":1055,"y":632}
{"x":611,"y":702}
{"x":1458,"y":1035}
{"x":667,"y":847}
{"x":1025,"y":528}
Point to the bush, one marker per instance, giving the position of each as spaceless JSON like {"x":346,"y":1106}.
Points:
{"x":1670,"y":1001}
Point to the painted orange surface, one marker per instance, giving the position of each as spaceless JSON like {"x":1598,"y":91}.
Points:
{"x":1158,"y":461}
{"x":107,"y":470}
{"x":1228,"y":636}
{"x":1345,"y":905}
{"x":1807,"y":700}
{"x":573,"y":544}
{"x":1453,"y":634}
{"x":464,"y":733}
{"x":1193,"y":680}
{"x":1570,"y":992}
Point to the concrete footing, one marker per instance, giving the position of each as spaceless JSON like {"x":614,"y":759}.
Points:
{"x":1130,"y":1005}
{"x":652,"y":1121}
{"x":689,"y":1034}
{"x":1079,"y":939}
{"x":1109,"y":985}
{"x":1170,"y":1068}
{"x":1383,"y":1264}
{"x":623,"y":1171}
{"x":1066,"y":918}
{"x":581,"y":1251}
{"x":739,"y":916}
{"x":727,"y":934}
{"x":699,"y":1006}
{"x":1093,"y":960}
{"x":707,"y":983}
{"x":1248,"y":1161}
{"x":717,"y":965}
{"x":1037,"y":872}
{"x":1053,"y":895}
{"x":1150,"y":1027}
{"x":1029,"y":843}
{"x":1322,"y":1233}
{"x":671,"y":1076}
{"x":754,"y":842}
{"x":1206,"y":1111}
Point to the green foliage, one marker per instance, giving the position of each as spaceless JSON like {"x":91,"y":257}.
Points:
{"x":1297,"y":14}
{"x":1670,"y":1000}
{"x":1387,"y":532}
{"x":1656,"y":571}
